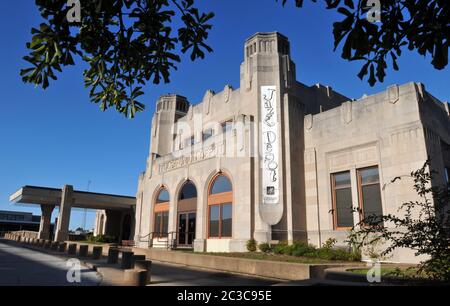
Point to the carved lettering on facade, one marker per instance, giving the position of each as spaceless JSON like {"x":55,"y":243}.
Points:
{"x":206,"y":153}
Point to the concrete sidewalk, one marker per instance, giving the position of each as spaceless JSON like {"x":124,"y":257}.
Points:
{"x":163,"y":274}
{"x":20,"y":266}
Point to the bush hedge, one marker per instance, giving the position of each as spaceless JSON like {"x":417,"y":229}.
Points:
{"x":302,"y":249}
{"x":251,"y":245}
{"x":101,"y":239}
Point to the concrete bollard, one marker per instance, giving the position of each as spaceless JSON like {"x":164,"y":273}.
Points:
{"x":127,"y":260}
{"x":137,"y":257}
{"x":72,"y":250}
{"x":47,"y":244}
{"x":83,"y":251}
{"x":133,"y":277}
{"x":144,"y":265}
{"x":113,"y":256}
{"x":62,"y":247}
{"x":41,"y":243}
{"x":55,"y":246}
{"x":97,"y":252}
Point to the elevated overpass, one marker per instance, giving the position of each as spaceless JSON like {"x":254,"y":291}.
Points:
{"x":117,"y":208}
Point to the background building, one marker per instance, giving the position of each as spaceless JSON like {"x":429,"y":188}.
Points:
{"x":18,"y":221}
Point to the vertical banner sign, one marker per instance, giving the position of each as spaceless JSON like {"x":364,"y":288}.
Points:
{"x":269,"y":145}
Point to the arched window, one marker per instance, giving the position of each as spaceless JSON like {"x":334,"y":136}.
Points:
{"x":220,"y":204}
{"x":188,"y":191}
{"x":161,"y":213}
{"x":221,"y":184}
{"x":163,"y":196}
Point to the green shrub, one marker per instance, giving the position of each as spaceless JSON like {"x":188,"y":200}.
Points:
{"x":300,"y":248}
{"x":355,"y":255}
{"x":282,"y":248}
{"x":330,"y":243}
{"x":251,"y":245}
{"x":100,"y":239}
{"x":265,"y":247}
{"x":303,"y":249}
{"x":419,"y":220}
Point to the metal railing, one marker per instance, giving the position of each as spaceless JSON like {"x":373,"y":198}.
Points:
{"x":168,"y":240}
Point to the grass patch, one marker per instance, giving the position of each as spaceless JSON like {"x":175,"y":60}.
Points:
{"x":272,"y":257}
{"x":304,"y":250}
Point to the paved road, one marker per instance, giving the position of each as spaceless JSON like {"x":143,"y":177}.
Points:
{"x":20,"y":266}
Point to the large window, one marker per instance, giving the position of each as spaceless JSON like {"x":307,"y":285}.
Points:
{"x":369,"y":193}
{"x":161,"y":224}
{"x":220,"y":201}
{"x":161,"y":214}
{"x":342,"y":200}
{"x":220,"y":220}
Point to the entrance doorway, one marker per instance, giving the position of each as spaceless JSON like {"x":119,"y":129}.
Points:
{"x":126,"y":227}
{"x":186,"y":212}
{"x":186,"y":228}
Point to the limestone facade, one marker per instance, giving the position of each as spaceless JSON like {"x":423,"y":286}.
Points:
{"x":283,"y":146}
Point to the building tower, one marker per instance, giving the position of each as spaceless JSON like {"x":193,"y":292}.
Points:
{"x":267,"y":80}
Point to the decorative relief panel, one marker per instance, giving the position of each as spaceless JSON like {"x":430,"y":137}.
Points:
{"x":207,"y":101}
{"x":346,"y":112}
{"x":227,"y":93}
{"x":393,"y":94}
{"x":352,"y":157}
{"x":405,"y":135}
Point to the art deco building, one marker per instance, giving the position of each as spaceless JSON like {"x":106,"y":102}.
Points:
{"x":280,"y":160}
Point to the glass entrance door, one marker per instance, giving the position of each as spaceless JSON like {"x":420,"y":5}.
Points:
{"x":186,"y":228}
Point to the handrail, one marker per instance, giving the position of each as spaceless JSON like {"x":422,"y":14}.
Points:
{"x":169,"y":239}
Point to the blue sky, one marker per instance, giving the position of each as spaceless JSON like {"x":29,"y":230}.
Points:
{"x":57,"y":136}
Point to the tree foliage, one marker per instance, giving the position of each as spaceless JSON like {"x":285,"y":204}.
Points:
{"x":424,"y":226}
{"x":126,"y":43}
{"x":422,"y":26}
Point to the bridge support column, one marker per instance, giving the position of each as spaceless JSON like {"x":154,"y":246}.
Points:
{"x":44,"y":227}
{"x":62,"y":229}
